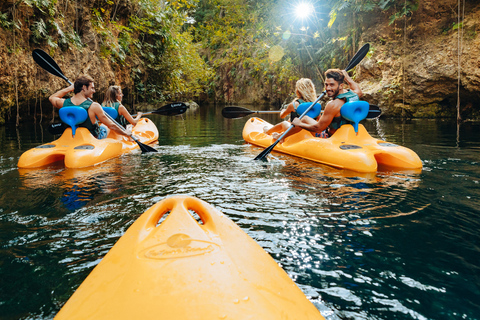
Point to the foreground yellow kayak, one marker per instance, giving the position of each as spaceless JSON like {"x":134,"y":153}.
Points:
{"x":83,"y":150}
{"x":345,"y":149}
{"x":184,"y":269}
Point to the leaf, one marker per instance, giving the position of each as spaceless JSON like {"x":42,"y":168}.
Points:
{"x":333,"y":16}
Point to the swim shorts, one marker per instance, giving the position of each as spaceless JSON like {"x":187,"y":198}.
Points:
{"x":322,"y":134}
{"x":103,"y":133}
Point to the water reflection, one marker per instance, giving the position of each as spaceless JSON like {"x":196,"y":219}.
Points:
{"x":361,"y":246}
{"x":78,"y":186}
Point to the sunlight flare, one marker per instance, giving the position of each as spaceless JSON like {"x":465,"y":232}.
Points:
{"x":304,"y":10}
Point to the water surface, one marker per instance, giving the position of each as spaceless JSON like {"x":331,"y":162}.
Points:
{"x":391,"y":245}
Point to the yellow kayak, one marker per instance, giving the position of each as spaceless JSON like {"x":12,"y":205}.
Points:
{"x":83,"y":150}
{"x":179,"y":268}
{"x":345,"y":149}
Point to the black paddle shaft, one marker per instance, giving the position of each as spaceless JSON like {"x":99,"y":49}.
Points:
{"x":240,"y":112}
{"x":355,"y":60}
{"x":265,"y":152}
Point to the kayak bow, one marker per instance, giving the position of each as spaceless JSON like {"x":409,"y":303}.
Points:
{"x":184,"y":269}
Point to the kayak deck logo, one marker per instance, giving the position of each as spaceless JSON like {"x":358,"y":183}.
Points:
{"x":179,"y":246}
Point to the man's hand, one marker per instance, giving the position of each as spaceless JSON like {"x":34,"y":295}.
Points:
{"x":57,"y":98}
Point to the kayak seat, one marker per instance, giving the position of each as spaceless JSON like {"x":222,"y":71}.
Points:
{"x":111,"y":112}
{"x":355,"y":112}
{"x":73,"y":116}
{"x":312,"y":113}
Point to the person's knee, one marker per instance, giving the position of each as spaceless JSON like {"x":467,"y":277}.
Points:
{"x":285,"y":125}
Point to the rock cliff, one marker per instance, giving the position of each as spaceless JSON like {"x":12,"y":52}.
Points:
{"x":414,"y":66}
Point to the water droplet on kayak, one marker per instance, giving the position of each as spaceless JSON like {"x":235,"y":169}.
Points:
{"x":223,"y":316}
{"x":246,"y":298}
{"x":236,"y":301}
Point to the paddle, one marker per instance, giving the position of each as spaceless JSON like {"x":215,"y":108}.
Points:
{"x":355,"y":60}
{"x":240,"y":112}
{"x":49,"y":65}
{"x":171,"y":109}
{"x":373,"y":112}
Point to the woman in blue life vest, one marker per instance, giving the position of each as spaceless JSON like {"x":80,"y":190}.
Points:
{"x":113,"y":99}
{"x":305,"y":92}
{"x":331,"y":118}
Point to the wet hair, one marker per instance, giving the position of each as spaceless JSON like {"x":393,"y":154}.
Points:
{"x":81,"y":81}
{"x":335,"y":74}
{"x":305,"y":90}
{"x":111,"y":95}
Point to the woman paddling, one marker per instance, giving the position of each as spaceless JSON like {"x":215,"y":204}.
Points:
{"x":305,"y":92}
{"x":113,"y":99}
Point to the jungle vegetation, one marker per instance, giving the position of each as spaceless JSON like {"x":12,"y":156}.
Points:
{"x":182,"y":49}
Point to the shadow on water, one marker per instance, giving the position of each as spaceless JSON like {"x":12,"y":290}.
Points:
{"x":390,"y":245}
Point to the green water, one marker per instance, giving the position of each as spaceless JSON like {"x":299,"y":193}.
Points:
{"x":391,"y":245}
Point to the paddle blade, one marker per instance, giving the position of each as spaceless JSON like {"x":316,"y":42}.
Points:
{"x":145,"y":148}
{"x":374,"y":112}
{"x":235,"y":112}
{"x":172,"y":109}
{"x":263,"y":155}
{"x":48,"y":64}
{"x":358,"y":57}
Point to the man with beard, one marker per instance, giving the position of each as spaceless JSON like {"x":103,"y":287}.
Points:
{"x":83,"y":90}
{"x":331,"y":119}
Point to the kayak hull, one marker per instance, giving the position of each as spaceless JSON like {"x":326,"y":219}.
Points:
{"x":184,"y":269}
{"x":83,"y":150}
{"x":345,"y":149}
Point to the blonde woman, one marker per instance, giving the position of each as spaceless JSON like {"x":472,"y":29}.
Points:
{"x":113,"y":99}
{"x":305,"y":92}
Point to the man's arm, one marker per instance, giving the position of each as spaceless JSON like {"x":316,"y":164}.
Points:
{"x":57,"y":100}
{"x":322,"y":123}
{"x":352,"y":84}
{"x":98,"y":111}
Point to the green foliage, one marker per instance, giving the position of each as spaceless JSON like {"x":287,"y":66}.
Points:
{"x":46,"y":7}
{"x":400,"y":9}
{"x":457,"y":26}
{"x":7,"y":24}
{"x":405,"y":10}
{"x":168,"y":62}
{"x":182,"y":48}
{"x":241,"y":39}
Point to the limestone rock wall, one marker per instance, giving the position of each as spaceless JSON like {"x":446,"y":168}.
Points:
{"x":413,"y":69}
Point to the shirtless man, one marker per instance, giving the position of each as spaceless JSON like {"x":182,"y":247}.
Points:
{"x":83,"y":90}
{"x":331,"y":119}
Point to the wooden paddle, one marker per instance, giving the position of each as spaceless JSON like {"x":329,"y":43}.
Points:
{"x":48,"y":64}
{"x":355,"y":60}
